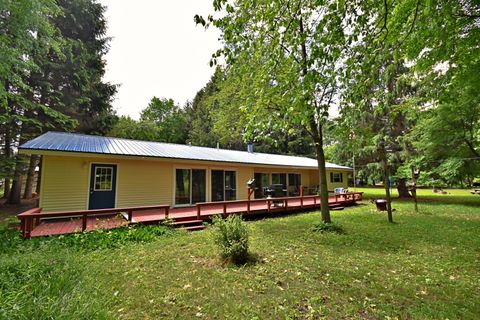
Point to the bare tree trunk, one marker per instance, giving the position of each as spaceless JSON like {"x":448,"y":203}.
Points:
{"x":30,"y":177}
{"x":402,"y":189}
{"x":6,"y":188}
{"x":318,"y":137}
{"x":39,"y":175}
{"x":15,"y":194}
{"x":386,"y":175}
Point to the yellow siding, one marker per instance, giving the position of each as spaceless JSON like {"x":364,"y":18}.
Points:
{"x":65,"y":180}
{"x":331,"y":186}
{"x":243,"y":175}
{"x":64,"y":184}
{"x":144,"y":183}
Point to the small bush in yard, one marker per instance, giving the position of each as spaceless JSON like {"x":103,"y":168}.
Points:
{"x":331,"y":227}
{"x":231,"y":235}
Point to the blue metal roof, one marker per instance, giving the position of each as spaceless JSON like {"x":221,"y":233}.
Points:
{"x":72,"y":142}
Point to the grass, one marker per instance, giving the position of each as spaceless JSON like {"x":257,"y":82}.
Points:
{"x":425,"y":266}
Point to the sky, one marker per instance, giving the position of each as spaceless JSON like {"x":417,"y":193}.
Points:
{"x":157,"y":50}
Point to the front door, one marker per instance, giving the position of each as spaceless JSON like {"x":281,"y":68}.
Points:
{"x":103,"y":180}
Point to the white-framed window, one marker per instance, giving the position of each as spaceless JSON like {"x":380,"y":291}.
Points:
{"x":103,"y":179}
{"x":336,"y":177}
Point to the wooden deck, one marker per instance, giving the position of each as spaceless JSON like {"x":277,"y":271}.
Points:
{"x":34,"y":223}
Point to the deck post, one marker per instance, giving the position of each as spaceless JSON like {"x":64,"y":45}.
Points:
{"x":198,"y":211}
{"x":301,"y":197}
{"x":130,"y":215}
{"x":23,"y":227}
{"x":248,"y":206}
{"x":167,"y":209}
{"x":286,"y":204}
{"x":29,"y":228}
{"x":84,"y":222}
{"x":224,"y":209}
{"x":314,"y":201}
{"x":268,"y":205}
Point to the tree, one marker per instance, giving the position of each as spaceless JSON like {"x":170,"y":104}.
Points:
{"x":290,"y":50}
{"x":56,"y":81}
{"x":169,"y":118}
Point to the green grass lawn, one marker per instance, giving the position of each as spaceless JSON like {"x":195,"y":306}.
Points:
{"x":425,"y":266}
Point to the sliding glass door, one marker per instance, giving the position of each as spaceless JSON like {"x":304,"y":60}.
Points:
{"x":294,"y":183}
{"x":190,"y":186}
{"x":261,"y":182}
{"x":223,"y":185}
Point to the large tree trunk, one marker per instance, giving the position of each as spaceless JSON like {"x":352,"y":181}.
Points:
{"x":6,"y":188}
{"x":30,"y":177}
{"x":318,"y":138}
{"x":16,"y":192}
{"x":402,"y":189}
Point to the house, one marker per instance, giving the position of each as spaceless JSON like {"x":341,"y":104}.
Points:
{"x":81,"y":172}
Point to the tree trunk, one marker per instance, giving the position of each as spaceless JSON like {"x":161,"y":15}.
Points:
{"x":323,"y":184}
{"x":39,"y":175}
{"x":402,"y":189}
{"x":16,"y":193}
{"x":386,"y":175}
{"x":318,"y":138}
{"x":7,"y":151}
{"x":30,"y":177}
{"x":6,"y":188}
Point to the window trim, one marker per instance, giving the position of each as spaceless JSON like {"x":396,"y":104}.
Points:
{"x":336,"y":174}
{"x":174,"y":203}
{"x":95,"y":180}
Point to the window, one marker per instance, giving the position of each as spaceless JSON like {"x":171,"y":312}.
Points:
{"x":294,"y":183}
{"x":224,"y":185}
{"x":336,"y":177}
{"x":190,"y":186}
{"x":103,"y":178}
{"x":280,"y":178}
{"x":261,"y":182}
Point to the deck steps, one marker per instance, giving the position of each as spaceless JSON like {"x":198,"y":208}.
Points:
{"x":185,"y":222}
{"x":194,"y":228}
{"x":189,"y":225}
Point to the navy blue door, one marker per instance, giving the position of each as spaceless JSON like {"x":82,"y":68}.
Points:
{"x":103,"y":180}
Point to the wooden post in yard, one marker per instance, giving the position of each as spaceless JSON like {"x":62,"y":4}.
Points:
{"x":224,"y":210}
{"x":268,"y":205}
{"x":198,"y":211}
{"x":130,"y":215}
{"x":167,"y":209}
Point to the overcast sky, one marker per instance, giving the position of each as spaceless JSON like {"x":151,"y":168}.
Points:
{"x":157,"y":50}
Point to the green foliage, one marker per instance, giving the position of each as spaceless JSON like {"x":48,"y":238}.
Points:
{"x":231,"y":235}
{"x":12,"y":242}
{"x":324,"y":227}
{"x":162,"y":120}
{"x":48,"y":288}
{"x":423,"y":267}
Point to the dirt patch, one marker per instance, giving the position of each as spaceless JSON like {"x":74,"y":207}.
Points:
{"x":10,"y":210}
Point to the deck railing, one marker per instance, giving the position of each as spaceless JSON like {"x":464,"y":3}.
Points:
{"x":224,"y":205}
{"x":32,"y":217}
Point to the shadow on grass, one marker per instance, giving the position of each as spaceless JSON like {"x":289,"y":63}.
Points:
{"x":252,"y":259}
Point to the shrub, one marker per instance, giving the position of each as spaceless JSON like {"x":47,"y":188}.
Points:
{"x":324,"y":227}
{"x":231,"y":235}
